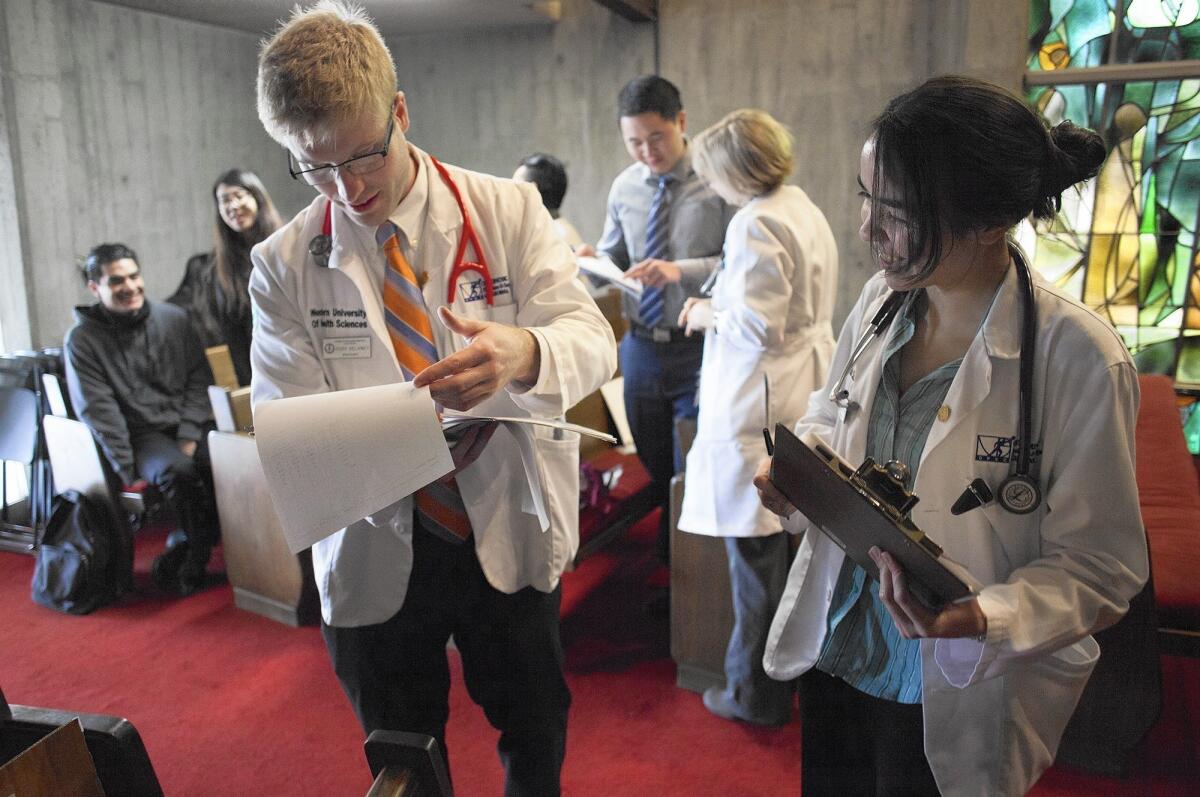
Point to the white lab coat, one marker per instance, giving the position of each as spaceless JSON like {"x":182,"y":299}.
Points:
{"x":994,"y":711}
{"x":362,"y":571}
{"x":772,"y":310}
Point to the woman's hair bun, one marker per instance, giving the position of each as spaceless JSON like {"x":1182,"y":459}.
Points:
{"x":1073,"y":154}
{"x":1076,"y":154}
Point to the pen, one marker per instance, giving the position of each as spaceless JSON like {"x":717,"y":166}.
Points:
{"x":710,"y":282}
{"x":767,"y":415}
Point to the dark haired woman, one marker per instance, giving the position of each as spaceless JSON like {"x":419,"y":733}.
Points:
{"x":215,"y":289}
{"x":971,"y":699}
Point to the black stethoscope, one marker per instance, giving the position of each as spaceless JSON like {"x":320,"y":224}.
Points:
{"x":321,"y":245}
{"x":1019,"y":493}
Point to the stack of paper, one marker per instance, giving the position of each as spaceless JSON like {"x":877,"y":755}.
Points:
{"x":331,"y":459}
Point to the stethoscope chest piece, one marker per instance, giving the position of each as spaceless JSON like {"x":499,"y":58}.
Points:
{"x":320,"y":247}
{"x":1019,"y":494}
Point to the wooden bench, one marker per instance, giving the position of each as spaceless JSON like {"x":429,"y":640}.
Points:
{"x":1169,"y":495}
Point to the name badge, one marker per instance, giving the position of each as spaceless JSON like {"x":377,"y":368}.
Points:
{"x":346,"y":348}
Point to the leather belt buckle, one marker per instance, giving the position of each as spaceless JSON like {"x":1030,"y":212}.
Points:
{"x":660,"y":335}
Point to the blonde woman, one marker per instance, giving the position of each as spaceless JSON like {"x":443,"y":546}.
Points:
{"x":767,"y":323}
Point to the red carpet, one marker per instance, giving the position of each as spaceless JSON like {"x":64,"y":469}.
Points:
{"x":229,"y":703}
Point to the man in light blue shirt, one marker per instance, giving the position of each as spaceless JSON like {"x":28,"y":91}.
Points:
{"x":665,"y":227}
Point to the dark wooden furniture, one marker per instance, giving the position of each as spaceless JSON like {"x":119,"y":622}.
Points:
{"x":266,"y":577}
{"x":406,"y":765}
{"x":1170,"y":502}
{"x":57,"y":764}
{"x":115,"y":747}
{"x":701,"y":604}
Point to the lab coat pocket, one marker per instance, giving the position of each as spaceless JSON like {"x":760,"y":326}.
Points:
{"x":719,"y":494}
{"x":502,"y":313}
{"x":558,"y":465}
{"x":1048,"y":688}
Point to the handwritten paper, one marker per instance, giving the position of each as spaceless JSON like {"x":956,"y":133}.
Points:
{"x":334,"y":458}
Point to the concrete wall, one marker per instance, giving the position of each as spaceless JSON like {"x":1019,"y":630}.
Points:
{"x":483,"y":100}
{"x":117,"y":122}
{"x":14,"y":307}
{"x":824,"y":67}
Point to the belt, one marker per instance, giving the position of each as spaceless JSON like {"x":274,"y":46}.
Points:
{"x":660,"y":334}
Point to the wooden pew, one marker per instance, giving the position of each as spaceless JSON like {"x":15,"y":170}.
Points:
{"x":267,"y":578}
{"x":221,"y":363}
{"x":114,"y":747}
{"x":57,"y":764}
{"x":406,"y":765}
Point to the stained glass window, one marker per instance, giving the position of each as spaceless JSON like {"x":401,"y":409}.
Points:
{"x":1126,"y":244}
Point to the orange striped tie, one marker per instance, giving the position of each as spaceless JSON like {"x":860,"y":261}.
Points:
{"x":407,"y":318}
{"x":439,"y":505}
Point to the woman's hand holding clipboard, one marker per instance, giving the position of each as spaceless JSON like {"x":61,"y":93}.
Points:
{"x":861,"y":514}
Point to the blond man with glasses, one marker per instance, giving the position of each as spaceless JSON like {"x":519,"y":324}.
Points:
{"x":403,"y":268}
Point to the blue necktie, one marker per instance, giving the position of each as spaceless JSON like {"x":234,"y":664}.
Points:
{"x":658,"y":229}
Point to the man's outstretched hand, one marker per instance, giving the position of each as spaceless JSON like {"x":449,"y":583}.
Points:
{"x":496,"y":354}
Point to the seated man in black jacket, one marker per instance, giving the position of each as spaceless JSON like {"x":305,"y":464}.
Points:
{"x":139,"y":379}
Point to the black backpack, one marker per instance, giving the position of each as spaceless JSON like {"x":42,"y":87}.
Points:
{"x":84,"y":560}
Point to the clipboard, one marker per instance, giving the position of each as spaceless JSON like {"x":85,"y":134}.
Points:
{"x":845,"y":503}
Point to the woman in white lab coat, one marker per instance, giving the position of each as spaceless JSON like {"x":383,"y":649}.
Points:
{"x":768,"y":341}
{"x":972,"y":699}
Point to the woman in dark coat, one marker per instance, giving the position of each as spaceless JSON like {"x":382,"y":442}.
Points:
{"x":215,"y":287}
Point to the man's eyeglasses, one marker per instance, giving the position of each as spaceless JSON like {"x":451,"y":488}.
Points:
{"x":359,"y":164}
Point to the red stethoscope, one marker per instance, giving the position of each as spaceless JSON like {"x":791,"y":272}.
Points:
{"x":320,"y":246}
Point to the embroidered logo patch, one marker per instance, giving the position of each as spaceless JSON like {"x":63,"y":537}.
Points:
{"x":989,"y":448}
{"x":472,"y":291}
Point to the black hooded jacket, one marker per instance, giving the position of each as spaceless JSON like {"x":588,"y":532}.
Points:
{"x":129,"y":373}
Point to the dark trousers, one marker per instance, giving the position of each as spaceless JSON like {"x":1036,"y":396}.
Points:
{"x":186,"y":484}
{"x":757,"y":573}
{"x":661,"y":380}
{"x":397,"y":675}
{"x":853,"y":744}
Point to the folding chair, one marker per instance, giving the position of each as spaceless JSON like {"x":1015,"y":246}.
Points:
{"x":55,"y":398}
{"x":18,"y":443}
{"x":77,"y":465}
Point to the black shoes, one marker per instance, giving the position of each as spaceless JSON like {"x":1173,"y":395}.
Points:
{"x":719,"y":702}
{"x":179,"y":569}
{"x":165,"y":570}
{"x":192,"y":575}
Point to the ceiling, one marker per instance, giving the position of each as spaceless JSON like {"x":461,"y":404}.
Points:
{"x":394,"y":17}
